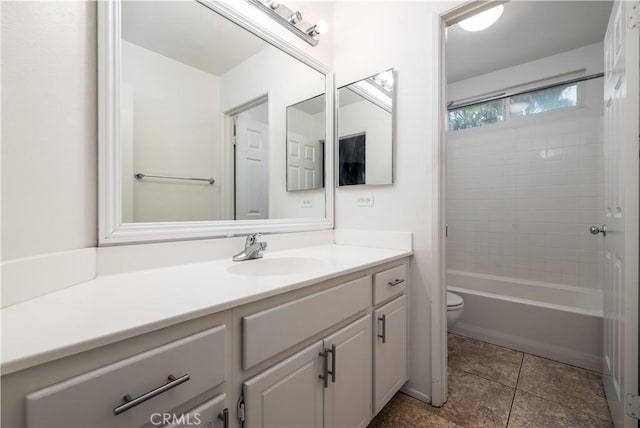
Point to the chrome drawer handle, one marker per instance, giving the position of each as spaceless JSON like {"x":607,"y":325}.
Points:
{"x":133,"y":402}
{"x":224,"y":417}
{"x":383,"y":336}
{"x":332,"y":372}
{"x":396,"y":282}
{"x":325,"y":367}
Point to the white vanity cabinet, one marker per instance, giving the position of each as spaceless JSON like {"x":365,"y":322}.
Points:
{"x":390,"y":350}
{"x":390,"y":341}
{"x":326,"y":384}
{"x":329,"y":354}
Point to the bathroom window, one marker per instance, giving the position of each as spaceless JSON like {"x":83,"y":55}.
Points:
{"x":476,"y":115}
{"x":525,"y":104}
{"x":544,"y":100}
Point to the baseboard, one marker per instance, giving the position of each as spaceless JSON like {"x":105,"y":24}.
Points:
{"x":27,"y":278}
{"x":530,"y":346}
{"x":416,"y":394}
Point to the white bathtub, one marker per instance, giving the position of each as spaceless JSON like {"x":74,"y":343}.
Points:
{"x":555,"y":321}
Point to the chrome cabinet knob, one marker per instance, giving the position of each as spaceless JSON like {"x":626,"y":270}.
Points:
{"x":595,"y":230}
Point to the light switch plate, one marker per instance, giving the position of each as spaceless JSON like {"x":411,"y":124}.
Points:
{"x":365,"y":200}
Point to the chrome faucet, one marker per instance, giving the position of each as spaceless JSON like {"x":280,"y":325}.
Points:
{"x":252,"y":248}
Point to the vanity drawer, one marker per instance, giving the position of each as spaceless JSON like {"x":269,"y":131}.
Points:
{"x":266,"y":333}
{"x":389,"y":283}
{"x":90,"y":400}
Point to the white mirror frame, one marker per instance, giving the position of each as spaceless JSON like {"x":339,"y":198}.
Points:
{"x":111,"y":228}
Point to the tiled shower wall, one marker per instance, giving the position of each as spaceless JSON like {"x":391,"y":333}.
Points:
{"x":521,"y":196}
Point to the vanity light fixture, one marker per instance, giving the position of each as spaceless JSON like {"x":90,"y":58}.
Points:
{"x":294,"y":18}
{"x":317,"y":29}
{"x":482,"y":20}
{"x":291,"y":20}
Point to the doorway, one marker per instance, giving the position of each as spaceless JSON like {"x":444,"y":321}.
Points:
{"x":504,"y":105}
{"x":250,"y":159}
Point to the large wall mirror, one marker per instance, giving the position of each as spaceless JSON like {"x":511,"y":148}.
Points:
{"x":365,"y":131}
{"x":196,"y":116}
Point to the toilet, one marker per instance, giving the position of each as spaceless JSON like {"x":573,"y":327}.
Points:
{"x":455,"y":304}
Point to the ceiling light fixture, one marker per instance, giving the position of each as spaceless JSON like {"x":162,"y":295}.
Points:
{"x":482,"y":20}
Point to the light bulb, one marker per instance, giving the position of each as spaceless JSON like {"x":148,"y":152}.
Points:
{"x":321,"y":26}
{"x":483,"y":19}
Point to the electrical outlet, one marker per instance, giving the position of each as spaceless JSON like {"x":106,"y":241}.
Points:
{"x":365,"y":200}
{"x":307,"y":203}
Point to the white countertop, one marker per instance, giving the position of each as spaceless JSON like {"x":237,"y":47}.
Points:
{"x":116,"y":307}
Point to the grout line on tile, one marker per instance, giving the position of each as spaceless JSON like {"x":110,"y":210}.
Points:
{"x":515,"y":390}
{"x":485,"y":378}
{"x":574,"y":409}
{"x":565,"y":364}
{"x":559,"y":403}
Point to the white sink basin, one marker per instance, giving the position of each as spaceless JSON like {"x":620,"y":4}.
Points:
{"x":275,"y":266}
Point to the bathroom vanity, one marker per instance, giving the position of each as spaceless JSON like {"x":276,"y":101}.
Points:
{"x":258,"y":343}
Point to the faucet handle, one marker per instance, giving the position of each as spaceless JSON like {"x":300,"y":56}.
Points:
{"x":252,"y":238}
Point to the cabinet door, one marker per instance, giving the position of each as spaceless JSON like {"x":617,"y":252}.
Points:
{"x":347,"y":398}
{"x":287,"y":395}
{"x":390,"y":351}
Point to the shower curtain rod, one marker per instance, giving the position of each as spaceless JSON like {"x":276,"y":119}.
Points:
{"x":503,"y":95}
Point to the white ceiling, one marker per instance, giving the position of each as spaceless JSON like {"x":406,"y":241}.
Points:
{"x":189,"y":33}
{"x":527,"y":30}
{"x":313,"y":105}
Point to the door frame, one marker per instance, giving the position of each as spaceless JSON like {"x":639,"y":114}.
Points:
{"x":228,"y":193}
{"x":438,"y":249}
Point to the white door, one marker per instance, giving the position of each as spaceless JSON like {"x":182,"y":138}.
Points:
{"x":621,"y":111}
{"x":288,"y":395}
{"x":304,"y":163}
{"x":389,"y":351}
{"x":347,"y":398}
{"x":252,"y":179}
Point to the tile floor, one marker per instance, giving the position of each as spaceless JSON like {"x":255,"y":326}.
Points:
{"x":491,"y":386}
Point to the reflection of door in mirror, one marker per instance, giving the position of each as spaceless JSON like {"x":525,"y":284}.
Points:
{"x":366,"y":108}
{"x":305,"y":144}
{"x":251,"y":160}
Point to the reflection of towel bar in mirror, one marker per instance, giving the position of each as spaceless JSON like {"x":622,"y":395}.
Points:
{"x":140,"y":176}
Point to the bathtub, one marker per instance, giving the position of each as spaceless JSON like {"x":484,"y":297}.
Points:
{"x":560,"y":322}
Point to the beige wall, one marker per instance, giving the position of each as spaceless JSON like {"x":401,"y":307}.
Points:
{"x":49,"y":132}
{"x":398,"y":35}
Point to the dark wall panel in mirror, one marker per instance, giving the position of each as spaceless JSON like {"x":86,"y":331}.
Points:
{"x":351,"y":164}
{"x":365,"y":131}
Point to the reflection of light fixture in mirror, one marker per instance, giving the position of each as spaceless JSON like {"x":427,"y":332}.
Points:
{"x":295,"y":18}
{"x":384,"y":80}
{"x":319,"y":28}
{"x":290,"y":19}
{"x":482,"y":20}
